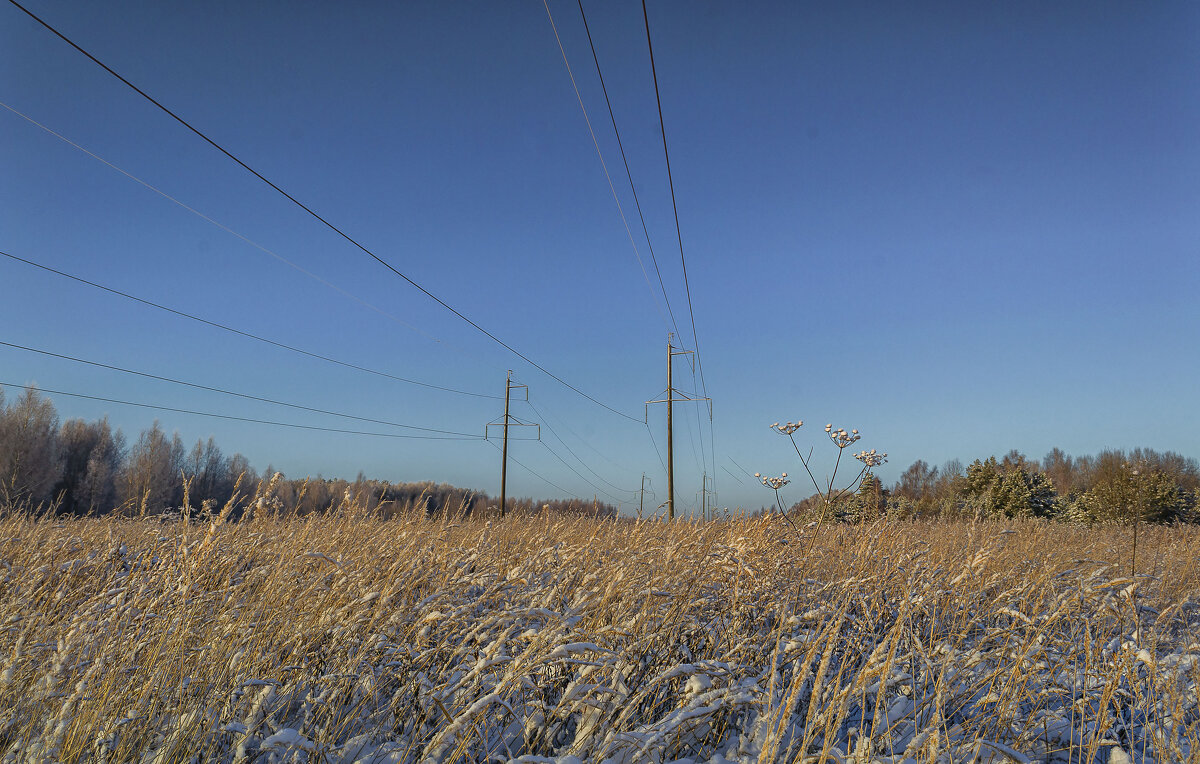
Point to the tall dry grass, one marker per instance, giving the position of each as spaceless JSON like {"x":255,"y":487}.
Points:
{"x":347,"y":638}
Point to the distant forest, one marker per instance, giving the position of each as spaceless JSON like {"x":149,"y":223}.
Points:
{"x":81,"y":468}
{"x":1113,"y":486}
{"x":87,"y":468}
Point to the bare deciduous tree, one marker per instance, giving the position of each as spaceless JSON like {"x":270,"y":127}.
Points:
{"x":92,"y":458}
{"x":30,"y":455}
{"x":152,"y":478}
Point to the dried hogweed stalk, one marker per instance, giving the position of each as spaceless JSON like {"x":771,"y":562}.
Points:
{"x":829,"y":494}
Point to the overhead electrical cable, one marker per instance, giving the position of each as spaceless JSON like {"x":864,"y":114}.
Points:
{"x":671,"y":183}
{"x":234,"y":418}
{"x":572,"y":453}
{"x":327,"y":224}
{"x":248,"y":335}
{"x":578,"y":474}
{"x":712,"y":447}
{"x":628,"y":174}
{"x":678,"y":231}
{"x":222,"y":391}
{"x":227,"y":229}
{"x":608,"y":177}
{"x":740,"y":467}
{"x":732,"y":475}
{"x":562,"y":423}
{"x":655,"y":444}
{"x":531,"y":472}
{"x":697,"y":455}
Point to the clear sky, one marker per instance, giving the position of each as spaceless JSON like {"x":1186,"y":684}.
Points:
{"x":960,"y":228}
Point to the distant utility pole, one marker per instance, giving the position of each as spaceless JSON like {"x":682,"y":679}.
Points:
{"x":509,"y":386}
{"x":642,"y":500}
{"x":670,"y":401}
{"x":704,"y":494}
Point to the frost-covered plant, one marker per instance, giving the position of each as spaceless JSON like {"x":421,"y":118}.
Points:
{"x":345,"y":637}
{"x":830,"y":497}
{"x":267,"y":500}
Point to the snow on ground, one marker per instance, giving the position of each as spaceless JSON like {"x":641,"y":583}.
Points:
{"x":286,"y":641}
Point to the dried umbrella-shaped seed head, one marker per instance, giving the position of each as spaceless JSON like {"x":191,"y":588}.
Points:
{"x":787,"y":428}
{"x":774,"y":483}
{"x":871,"y":458}
{"x":840,"y":437}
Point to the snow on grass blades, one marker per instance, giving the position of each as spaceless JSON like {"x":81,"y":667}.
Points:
{"x":351,"y":639}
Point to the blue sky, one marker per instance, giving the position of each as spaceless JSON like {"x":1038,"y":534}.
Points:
{"x":960,"y":229}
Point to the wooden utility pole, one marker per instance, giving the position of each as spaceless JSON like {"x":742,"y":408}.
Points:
{"x":504,"y":449}
{"x":670,"y":436}
{"x":706,"y":504}
{"x":509,"y":386}
{"x":642,"y":500}
{"x":672,"y":396}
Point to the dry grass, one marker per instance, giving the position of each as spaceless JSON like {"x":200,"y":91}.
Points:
{"x":339,"y":638}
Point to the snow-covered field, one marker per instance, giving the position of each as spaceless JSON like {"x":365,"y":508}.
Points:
{"x":342,"y":639}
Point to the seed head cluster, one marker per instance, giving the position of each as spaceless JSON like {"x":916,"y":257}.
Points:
{"x":840,"y":437}
{"x":774,"y":483}
{"x":871,"y":458}
{"x":787,"y":428}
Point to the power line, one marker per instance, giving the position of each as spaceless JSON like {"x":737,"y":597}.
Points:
{"x":241,"y":333}
{"x":329,"y":225}
{"x":227,"y":229}
{"x":654,"y":443}
{"x":604,"y":166}
{"x":531,"y":472}
{"x":633,"y":188}
{"x":228,"y":392}
{"x":740,"y":467}
{"x":697,"y":455}
{"x":562,"y":423}
{"x":732,"y":475}
{"x":578,"y":474}
{"x":712,"y":453}
{"x":572,"y":453}
{"x":671,"y":182}
{"x":678,"y":231}
{"x":628,"y":174}
{"x":230,"y":417}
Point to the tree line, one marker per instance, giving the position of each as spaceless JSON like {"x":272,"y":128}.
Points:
{"x":87,"y":468}
{"x":1113,"y":486}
